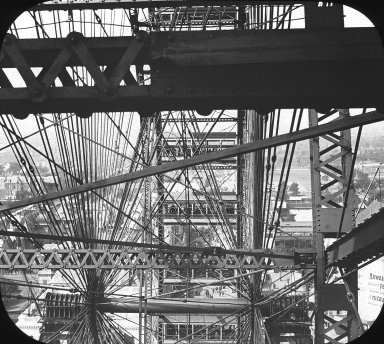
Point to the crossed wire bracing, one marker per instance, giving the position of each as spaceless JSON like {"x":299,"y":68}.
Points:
{"x":78,"y":151}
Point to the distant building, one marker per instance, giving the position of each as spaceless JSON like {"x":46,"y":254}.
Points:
{"x":29,"y":324}
{"x":284,"y":213}
{"x":11,"y":186}
{"x":300,"y":206}
{"x":2,"y":188}
{"x":296,"y":234}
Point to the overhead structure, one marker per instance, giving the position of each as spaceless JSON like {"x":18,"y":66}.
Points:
{"x":192,"y":69}
{"x":156,"y":133}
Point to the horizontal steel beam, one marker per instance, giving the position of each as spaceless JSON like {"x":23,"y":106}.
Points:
{"x":141,"y":247}
{"x":267,"y":69}
{"x":212,"y":48}
{"x":161,"y":306}
{"x":209,"y":48}
{"x":108,"y":4}
{"x":194,"y":281}
{"x":304,"y":134}
{"x":187,"y":305}
{"x":135,"y":259}
{"x":362,"y":243}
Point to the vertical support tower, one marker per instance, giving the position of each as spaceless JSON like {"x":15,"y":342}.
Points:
{"x":331,"y":166}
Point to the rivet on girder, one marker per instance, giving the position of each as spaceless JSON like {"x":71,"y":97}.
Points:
{"x":20,"y":115}
{"x":37,"y":94}
{"x":75,"y":37}
{"x":109,"y":93}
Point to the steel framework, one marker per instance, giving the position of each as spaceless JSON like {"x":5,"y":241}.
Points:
{"x":114,"y":209}
{"x":194,"y":56}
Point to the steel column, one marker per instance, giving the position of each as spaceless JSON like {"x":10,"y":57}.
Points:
{"x":240,"y":181}
{"x":318,"y":237}
{"x":255,"y":123}
{"x":160,"y":216}
{"x":331,"y":155}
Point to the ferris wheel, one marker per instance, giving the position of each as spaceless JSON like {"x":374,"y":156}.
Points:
{"x":154,"y":226}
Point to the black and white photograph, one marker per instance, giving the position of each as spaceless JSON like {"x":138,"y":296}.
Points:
{"x":191,"y":172}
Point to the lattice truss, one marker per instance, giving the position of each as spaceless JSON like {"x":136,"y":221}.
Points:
{"x":112,"y":145}
{"x":102,"y":76}
{"x":332,"y":163}
{"x":165,"y":236}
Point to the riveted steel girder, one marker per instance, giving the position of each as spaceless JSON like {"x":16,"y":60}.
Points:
{"x":330,"y":67}
{"x":130,"y":259}
{"x":363,"y":242}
